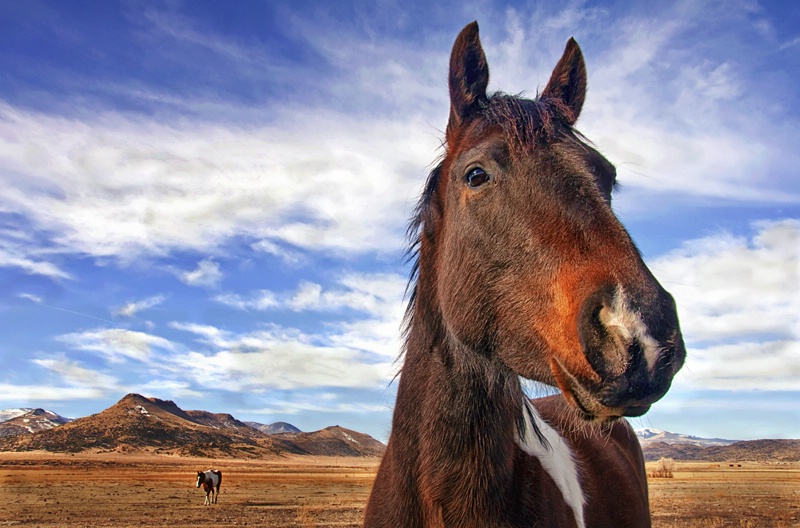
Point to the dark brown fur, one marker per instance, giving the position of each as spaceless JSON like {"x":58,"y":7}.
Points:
{"x":511,"y":278}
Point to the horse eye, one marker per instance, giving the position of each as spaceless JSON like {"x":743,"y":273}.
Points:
{"x":477,"y":177}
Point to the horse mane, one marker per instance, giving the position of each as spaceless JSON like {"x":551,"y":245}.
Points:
{"x":525,"y":123}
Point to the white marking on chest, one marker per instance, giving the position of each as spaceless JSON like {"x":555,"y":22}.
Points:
{"x":556,"y":458}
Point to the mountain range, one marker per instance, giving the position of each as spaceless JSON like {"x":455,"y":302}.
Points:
{"x":140,"y":424}
{"x":274,"y":428}
{"x":651,"y":436}
{"x":22,"y":421}
{"x":658,"y":444}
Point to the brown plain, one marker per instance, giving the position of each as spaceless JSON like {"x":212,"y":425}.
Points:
{"x":113,"y":490}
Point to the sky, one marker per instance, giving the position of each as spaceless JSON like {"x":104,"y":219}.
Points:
{"x":207,"y":202}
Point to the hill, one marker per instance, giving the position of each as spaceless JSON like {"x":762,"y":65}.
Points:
{"x":274,"y":428}
{"x":335,"y":441}
{"x":24,"y":421}
{"x":651,"y":436}
{"x":139,"y":424}
{"x":748,"y":450}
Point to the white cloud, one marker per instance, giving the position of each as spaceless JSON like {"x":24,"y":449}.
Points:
{"x":379,"y":296}
{"x":361,"y":293}
{"x":117,"y":344}
{"x":274,"y":358}
{"x":674,"y":114}
{"x":260,"y":300}
{"x":373,"y":293}
{"x":207,"y":274}
{"x":121,"y":187}
{"x":34,"y":393}
{"x":77,"y":376}
{"x":12,"y":256}
{"x":733,"y":286}
{"x":293,"y":258}
{"x":790,"y":44}
{"x":165,"y":388}
{"x":304,"y":405}
{"x":343,"y":181}
{"x":739,"y":303}
{"x":31,"y":297}
{"x":134,"y":307}
{"x":358,"y":353}
{"x":771,"y":365}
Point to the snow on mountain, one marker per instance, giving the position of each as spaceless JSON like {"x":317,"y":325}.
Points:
{"x":274,"y":428}
{"x":10,"y":414}
{"x":650,"y":436}
{"x":29,"y":421}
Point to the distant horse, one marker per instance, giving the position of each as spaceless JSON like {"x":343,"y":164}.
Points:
{"x":210,"y":480}
{"x":521,"y":269}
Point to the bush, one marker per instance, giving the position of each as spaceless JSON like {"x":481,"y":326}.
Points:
{"x":664,"y":468}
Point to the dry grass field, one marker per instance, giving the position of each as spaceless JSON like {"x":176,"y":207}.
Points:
{"x":715,"y":495}
{"x":128,"y":491}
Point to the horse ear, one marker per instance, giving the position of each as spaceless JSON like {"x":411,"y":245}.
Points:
{"x":469,"y":76}
{"x":567,"y":84}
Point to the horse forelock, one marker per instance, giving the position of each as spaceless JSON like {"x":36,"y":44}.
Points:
{"x":525,"y":124}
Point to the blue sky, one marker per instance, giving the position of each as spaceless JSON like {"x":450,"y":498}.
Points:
{"x":206,"y":201}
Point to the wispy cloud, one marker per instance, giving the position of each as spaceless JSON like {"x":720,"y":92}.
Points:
{"x":321,"y":179}
{"x":790,"y":44}
{"x":260,"y":300}
{"x":274,"y":358}
{"x":317,"y":404}
{"x":368,"y":293}
{"x":207,"y":274}
{"x":31,"y":297}
{"x":117,"y":345}
{"x":377,"y":297}
{"x":132,"y":308}
{"x":674,"y":115}
{"x":24,"y":259}
{"x":39,"y":393}
{"x":75,"y":375}
{"x":294,"y":258}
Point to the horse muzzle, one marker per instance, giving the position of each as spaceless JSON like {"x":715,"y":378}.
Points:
{"x":634,"y":347}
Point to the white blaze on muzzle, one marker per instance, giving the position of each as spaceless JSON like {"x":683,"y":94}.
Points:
{"x":627,"y":326}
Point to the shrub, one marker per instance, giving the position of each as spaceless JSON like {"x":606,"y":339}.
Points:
{"x":664,"y":468}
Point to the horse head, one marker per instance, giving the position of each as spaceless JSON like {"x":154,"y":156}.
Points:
{"x":201,"y":477}
{"x":521,"y":255}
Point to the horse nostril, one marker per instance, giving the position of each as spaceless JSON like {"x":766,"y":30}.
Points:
{"x":593,"y":334}
{"x":608,"y":342}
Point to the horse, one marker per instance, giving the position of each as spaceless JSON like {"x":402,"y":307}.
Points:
{"x":521,"y":270}
{"x":211,"y":480}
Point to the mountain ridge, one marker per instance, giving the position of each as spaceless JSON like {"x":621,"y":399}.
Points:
{"x":140,"y":424}
{"x":29,"y":420}
{"x":649,"y":436}
{"x":766,"y":450}
{"x":274,"y":428}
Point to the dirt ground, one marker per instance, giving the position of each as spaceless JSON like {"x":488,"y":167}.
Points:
{"x":122,"y":491}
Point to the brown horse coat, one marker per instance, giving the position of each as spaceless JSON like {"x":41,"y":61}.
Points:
{"x":522,"y":270}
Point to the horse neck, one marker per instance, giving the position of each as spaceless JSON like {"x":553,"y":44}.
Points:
{"x":456,"y":419}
